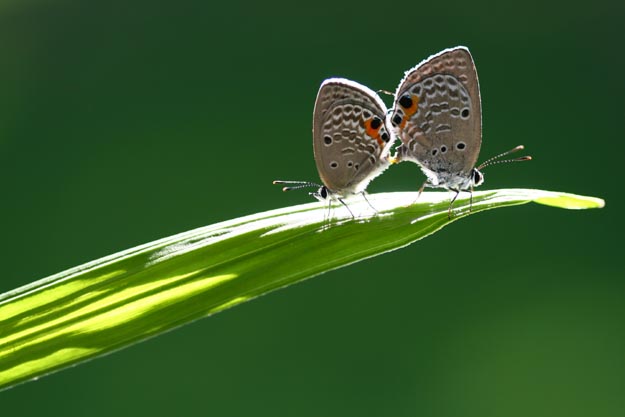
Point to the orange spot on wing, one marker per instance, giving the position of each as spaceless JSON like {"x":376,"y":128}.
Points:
{"x":374,"y":133}
{"x":409,"y":111}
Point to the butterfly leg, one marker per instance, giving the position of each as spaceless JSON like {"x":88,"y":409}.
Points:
{"x":420,"y":192}
{"x":329,"y":215}
{"x":451,"y":204}
{"x":364,"y":195}
{"x":421,"y":189}
{"x":471,"y":199}
{"x":343,"y":203}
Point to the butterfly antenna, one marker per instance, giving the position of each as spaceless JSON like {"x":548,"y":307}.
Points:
{"x":386,"y":92}
{"x":296,"y":185}
{"x":495,"y":159}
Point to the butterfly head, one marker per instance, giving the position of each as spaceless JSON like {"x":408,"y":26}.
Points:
{"x":477,"y":178}
{"x":322,"y":194}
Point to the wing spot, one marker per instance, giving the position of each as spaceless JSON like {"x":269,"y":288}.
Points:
{"x":334,"y":164}
{"x":348,"y":151}
{"x":405,"y":102}
{"x":461,"y":146}
{"x":327,"y":140}
{"x":443,"y":149}
{"x":349,"y":134}
{"x":465,"y":113}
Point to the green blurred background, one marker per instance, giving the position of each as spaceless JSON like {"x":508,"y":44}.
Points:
{"x":122,"y":122}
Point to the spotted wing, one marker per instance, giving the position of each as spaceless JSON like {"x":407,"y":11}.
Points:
{"x":437,"y":114}
{"x":350,"y":138}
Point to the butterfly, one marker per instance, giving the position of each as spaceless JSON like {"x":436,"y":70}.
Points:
{"x":351,"y":140}
{"x":437,"y":115}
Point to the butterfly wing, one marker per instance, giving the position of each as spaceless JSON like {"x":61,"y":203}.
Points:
{"x":350,"y":137}
{"x":437,"y":115}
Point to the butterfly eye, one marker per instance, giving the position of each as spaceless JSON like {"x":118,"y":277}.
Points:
{"x":323,"y":192}
{"x":478,"y":178}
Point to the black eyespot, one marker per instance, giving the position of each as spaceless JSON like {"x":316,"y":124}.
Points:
{"x":334,"y":164}
{"x":356,"y":166}
{"x":327,"y":140}
{"x":405,"y":102}
{"x":397,"y":120}
{"x":434,"y":152}
{"x":350,"y":164}
{"x":385,"y":137}
{"x":465,"y":113}
{"x":443,"y":149}
{"x":460,"y":145}
{"x":375,"y":123}
{"x":366,"y":114}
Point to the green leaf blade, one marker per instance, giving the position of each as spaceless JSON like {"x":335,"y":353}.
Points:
{"x":118,"y":300}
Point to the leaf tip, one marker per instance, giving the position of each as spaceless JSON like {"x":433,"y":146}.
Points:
{"x":570,"y":201}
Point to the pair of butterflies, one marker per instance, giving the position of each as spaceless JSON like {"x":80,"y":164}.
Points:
{"x":436,"y":115}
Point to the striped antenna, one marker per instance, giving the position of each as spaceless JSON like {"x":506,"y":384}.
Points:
{"x":495,"y":159}
{"x":296,"y":185}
